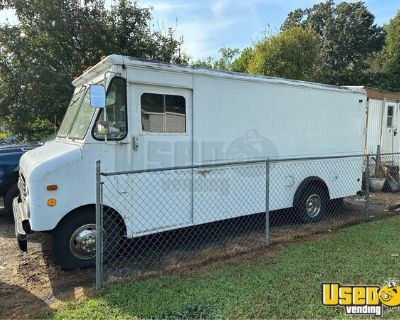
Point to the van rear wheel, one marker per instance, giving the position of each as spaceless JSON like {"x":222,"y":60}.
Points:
{"x":74,"y":240}
{"x":311,"y":206}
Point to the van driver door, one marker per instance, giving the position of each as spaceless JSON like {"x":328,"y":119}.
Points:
{"x":161,"y":138}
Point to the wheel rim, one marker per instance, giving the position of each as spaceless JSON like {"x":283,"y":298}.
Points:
{"x":83,"y":242}
{"x":313,"y":205}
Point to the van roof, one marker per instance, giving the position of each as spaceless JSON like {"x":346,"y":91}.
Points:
{"x":127,"y":61}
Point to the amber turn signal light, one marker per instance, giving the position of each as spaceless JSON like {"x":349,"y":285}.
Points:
{"x":51,"y":202}
{"x":52,"y":187}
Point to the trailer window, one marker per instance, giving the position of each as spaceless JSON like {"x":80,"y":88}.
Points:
{"x":163,"y":113}
{"x":389,"y":122}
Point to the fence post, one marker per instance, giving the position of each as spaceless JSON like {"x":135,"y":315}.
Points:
{"x":99,"y":228}
{"x":367,"y":195}
{"x":267,"y":170}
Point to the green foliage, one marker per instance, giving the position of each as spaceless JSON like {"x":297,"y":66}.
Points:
{"x":348,"y":37}
{"x":293,"y":53}
{"x":40,"y":129}
{"x":241,"y":63}
{"x":392,"y":46}
{"x":286,"y":285}
{"x":391,"y":54}
{"x":56,"y":40}
{"x":206,"y":63}
{"x":224,"y":62}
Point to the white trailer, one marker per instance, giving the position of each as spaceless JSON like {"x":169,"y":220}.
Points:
{"x":383,"y":121}
{"x":162,"y":115}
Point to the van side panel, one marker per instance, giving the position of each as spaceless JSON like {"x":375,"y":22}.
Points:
{"x":288,"y":121}
{"x":238,"y":120}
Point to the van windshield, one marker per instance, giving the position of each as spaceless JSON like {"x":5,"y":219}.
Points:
{"x":83,"y":119}
{"x":71,"y":113}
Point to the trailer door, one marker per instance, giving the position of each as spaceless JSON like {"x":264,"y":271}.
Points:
{"x":390,"y":134}
{"x":161,"y":129}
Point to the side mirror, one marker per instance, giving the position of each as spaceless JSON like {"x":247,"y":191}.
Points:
{"x":97,"y":95}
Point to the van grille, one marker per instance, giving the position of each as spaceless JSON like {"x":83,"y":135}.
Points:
{"x":22,"y":187}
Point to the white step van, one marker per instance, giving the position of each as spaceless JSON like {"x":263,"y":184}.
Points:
{"x":133,"y":115}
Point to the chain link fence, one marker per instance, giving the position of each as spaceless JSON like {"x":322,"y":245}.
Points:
{"x":160,"y":220}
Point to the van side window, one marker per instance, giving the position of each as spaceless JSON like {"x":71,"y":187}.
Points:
{"x":163,"y":113}
{"x":114,"y":122}
{"x":389,"y":122}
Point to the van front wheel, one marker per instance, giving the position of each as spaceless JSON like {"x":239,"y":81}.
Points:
{"x":74,"y":240}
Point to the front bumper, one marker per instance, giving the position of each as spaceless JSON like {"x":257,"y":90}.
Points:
{"x":22,"y":225}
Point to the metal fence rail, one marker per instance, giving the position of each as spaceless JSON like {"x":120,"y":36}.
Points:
{"x":157,"y":220}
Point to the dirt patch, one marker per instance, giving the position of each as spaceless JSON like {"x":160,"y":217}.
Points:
{"x":31,"y":285}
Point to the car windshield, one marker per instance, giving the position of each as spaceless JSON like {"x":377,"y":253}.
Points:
{"x":71,"y":113}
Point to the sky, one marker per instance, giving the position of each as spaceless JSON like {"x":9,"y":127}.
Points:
{"x":207,"y":25}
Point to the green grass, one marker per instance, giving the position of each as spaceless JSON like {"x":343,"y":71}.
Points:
{"x":287,"y":286}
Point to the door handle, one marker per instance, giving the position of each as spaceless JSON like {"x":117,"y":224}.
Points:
{"x":135,"y":143}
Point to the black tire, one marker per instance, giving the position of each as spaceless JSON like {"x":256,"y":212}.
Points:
{"x":12,"y":193}
{"x":308,"y":200}
{"x":65,"y":250}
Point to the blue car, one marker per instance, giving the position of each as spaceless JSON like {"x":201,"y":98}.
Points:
{"x":9,"y":166}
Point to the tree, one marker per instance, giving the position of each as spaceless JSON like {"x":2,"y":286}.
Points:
{"x":224,"y":62}
{"x":391,"y":54}
{"x":242,"y":62}
{"x":347,"y":34}
{"x":293,"y":53}
{"x":56,"y":40}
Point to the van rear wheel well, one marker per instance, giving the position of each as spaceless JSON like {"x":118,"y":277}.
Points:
{"x":307,"y":183}
{"x":311,"y":200}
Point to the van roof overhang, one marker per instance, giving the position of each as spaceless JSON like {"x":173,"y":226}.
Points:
{"x":106,"y":64}
{"x":93,"y":72}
